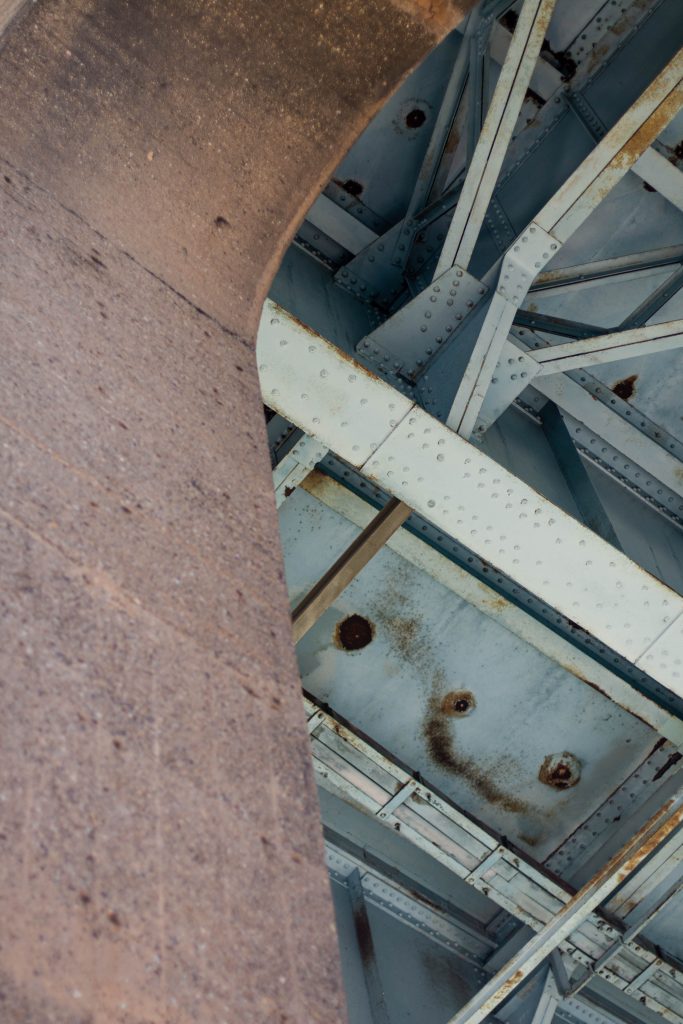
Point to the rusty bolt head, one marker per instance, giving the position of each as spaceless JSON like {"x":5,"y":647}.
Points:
{"x":458,"y":703}
{"x":561,"y":771}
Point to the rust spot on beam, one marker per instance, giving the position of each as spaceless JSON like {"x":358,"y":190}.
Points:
{"x":438,"y":733}
{"x":626,"y":388}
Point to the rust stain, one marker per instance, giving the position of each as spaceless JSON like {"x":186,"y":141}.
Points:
{"x":650,"y":129}
{"x":354,"y":188}
{"x":458,"y":703}
{"x":640,"y":853}
{"x":560,"y":771}
{"x":510,"y":984}
{"x":626,"y":388}
{"x":364,"y":935}
{"x":651,"y":844}
{"x":437,"y":731}
{"x":528,"y":840}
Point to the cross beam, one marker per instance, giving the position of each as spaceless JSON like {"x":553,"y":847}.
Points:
{"x":561,"y":216}
{"x":652,"y":835}
{"x":606,"y":348}
{"x":489,"y":153}
{"x":463,"y":492}
{"x":368,"y":779}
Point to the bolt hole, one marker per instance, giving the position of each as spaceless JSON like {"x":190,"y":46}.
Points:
{"x":354,"y":188}
{"x":415,"y":118}
{"x":354,"y":632}
{"x":458,"y":703}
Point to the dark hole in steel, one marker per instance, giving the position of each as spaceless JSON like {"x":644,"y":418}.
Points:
{"x":415,"y":118}
{"x":354,"y":188}
{"x":354,"y":633}
{"x":648,"y":187}
{"x":678,"y":151}
{"x":458,"y":703}
{"x":509,"y":20}
{"x":626,"y":388}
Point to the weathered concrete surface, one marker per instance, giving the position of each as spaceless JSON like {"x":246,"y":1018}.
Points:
{"x":194,"y":133}
{"x":160,"y":855}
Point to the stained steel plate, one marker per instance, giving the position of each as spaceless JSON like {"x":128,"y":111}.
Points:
{"x":426,"y":644}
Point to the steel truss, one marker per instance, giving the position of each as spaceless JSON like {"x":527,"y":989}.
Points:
{"x":419,"y":460}
{"x":354,"y":770}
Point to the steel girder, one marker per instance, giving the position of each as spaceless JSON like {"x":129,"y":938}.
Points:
{"x":354,"y":770}
{"x":419,"y":460}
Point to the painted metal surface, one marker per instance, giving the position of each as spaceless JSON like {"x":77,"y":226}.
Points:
{"x":518,"y":644}
{"x":429,"y":644}
{"x":419,"y":460}
{"x":350,"y":767}
{"x":624,"y":863}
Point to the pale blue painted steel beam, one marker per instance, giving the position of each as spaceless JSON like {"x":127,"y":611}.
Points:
{"x":599,"y":270}
{"x":595,"y":892}
{"x":574,"y":472}
{"x":487,"y":159}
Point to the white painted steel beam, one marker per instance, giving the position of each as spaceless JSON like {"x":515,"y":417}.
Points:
{"x":562,"y":215}
{"x":662,"y":175}
{"x":340,"y":225}
{"x":496,"y":134}
{"x":606,"y":348}
{"x":296,"y":466}
{"x":466,"y":494}
{"x":616,"y":154}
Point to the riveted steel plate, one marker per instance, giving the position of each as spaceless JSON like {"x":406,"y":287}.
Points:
{"x":413,"y":334}
{"x":337,"y":401}
{"x":512,"y":526}
{"x":428,"y":643}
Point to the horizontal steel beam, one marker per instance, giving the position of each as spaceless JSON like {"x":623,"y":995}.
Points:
{"x":354,"y":770}
{"x":606,"y":348}
{"x":624,"y":863}
{"x":466,"y":494}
